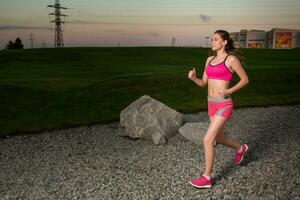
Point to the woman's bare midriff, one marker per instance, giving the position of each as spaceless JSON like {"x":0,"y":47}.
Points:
{"x":216,"y":86}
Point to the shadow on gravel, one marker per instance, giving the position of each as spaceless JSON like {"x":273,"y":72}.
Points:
{"x":226,"y":170}
{"x":230,"y":167}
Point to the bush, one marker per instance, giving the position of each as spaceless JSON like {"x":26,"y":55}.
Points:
{"x":17,"y":45}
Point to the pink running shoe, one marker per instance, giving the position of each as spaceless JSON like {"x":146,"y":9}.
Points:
{"x":201,"y":182}
{"x":239,"y":156}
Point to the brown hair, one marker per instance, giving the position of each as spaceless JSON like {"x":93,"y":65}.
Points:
{"x":229,"y":48}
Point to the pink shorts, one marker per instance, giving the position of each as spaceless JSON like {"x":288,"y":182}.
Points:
{"x":220,"y":106}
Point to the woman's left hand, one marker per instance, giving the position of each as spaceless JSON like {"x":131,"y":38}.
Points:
{"x":224,"y":93}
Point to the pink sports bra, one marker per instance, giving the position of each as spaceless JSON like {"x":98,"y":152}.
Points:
{"x":219,"y":71}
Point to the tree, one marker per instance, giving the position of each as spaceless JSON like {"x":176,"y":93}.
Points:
{"x":10,"y":45}
{"x":17,"y":45}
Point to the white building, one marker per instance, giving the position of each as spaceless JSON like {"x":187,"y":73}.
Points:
{"x":275,"y":38}
{"x":235,"y":37}
{"x":283,"y":38}
{"x":256,"y":39}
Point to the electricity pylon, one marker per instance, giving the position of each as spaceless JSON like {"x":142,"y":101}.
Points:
{"x":59,"y":40}
{"x":31,"y":40}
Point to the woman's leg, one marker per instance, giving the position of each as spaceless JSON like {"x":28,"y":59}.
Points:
{"x":227,"y":141}
{"x":215,"y":127}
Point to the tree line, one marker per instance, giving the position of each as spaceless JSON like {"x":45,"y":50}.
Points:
{"x":15,"y":45}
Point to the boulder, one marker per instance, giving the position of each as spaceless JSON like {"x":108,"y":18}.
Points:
{"x":194,"y":131}
{"x":147,"y":118}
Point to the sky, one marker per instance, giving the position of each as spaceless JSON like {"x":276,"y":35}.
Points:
{"x":141,"y":22}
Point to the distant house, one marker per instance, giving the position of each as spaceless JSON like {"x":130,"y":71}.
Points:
{"x":235,"y":37}
{"x":275,"y":38}
{"x":283,"y":38}
{"x":256,"y":39}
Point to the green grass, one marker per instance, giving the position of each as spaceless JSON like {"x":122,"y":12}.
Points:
{"x":44,"y":89}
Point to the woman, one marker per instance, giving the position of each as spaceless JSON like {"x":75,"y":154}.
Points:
{"x":218,"y":73}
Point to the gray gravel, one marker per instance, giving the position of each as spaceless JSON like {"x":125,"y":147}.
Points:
{"x":95,"y":163}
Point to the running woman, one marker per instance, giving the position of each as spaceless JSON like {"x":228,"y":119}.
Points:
{"x":218,"y":72}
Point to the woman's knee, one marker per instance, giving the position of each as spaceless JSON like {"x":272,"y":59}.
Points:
{"x":208,"y":140}
{"x":220,"y":137}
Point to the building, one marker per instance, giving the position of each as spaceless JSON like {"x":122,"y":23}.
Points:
{"x":256,"y":39}
{"x":242,"y":38}
{"x":275,"y":38}
{"x":235,"y":37}
{"x":283,"y":38}
{"x":249,"y":39}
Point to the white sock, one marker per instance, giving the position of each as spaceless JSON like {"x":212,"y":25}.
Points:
{"x":207,"y":177}
{"x":241,"y":149}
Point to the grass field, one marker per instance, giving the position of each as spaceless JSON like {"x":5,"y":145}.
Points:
{"x":44,"y":89}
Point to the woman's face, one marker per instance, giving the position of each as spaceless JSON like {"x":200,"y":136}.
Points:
{"x":217,"y":42}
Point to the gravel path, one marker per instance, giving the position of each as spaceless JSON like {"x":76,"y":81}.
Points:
{"x":95,"y":163}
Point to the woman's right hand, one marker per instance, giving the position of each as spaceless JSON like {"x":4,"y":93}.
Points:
{"x":192,"y":74}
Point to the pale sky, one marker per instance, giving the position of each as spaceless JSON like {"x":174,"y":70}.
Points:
{"x":141,"y":22}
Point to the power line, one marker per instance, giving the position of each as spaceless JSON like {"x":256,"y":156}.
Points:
{"x":58,"y":41}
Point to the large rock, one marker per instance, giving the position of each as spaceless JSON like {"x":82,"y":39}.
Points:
{"x":150,"y":119}
{"x":194,"y":131}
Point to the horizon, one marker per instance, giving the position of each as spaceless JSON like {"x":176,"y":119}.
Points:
{"x":141,"y":23}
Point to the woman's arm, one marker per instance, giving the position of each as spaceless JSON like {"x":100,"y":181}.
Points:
{"x":236,"y":66}
{"x":200,"y":82}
